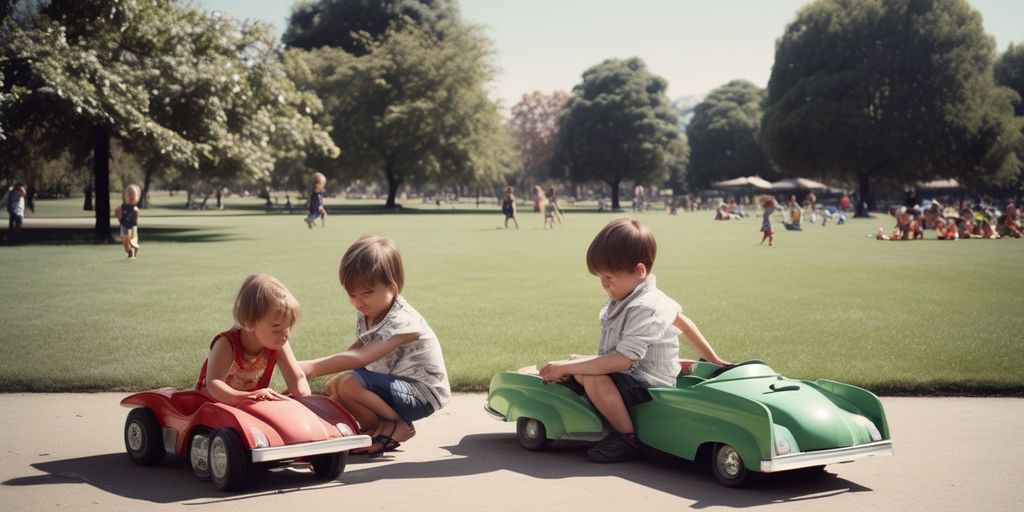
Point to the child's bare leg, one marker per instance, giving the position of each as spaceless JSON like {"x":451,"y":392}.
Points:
{"x":357,"y":398}
{"x":606,"y":399}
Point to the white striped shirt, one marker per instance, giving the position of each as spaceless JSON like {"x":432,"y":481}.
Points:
{"x":641,"y":328}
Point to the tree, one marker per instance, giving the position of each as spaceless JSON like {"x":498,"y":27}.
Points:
{"x":723,"y":136}
{"x":899,"y":90}
{"x":349,"y":24}
{"x":178,"y":87}
{"x":1009,"y":72}
{"x":413,"y":109}
{"x":619,"y":124}
{"x":534,"y":124}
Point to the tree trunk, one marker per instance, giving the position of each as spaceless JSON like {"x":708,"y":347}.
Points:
{"x":144,"y":200}
{"x":393,"y":183}
{"x":101,"y":175}
{"x":220,"y":206}
{"x":865,"y":201}
{"x":615,"y":193}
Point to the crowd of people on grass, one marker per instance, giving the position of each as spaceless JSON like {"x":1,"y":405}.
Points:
{"x":961,"y":222}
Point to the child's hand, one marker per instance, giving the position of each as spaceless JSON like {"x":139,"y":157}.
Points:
{"x":266,"y":394}
{"x":554,"y":372}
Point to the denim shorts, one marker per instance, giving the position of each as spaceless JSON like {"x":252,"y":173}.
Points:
{"x":633,"y":391}
{"x":401,"y":395}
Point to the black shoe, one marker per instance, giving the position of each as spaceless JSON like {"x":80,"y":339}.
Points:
{"x":615,"y":447}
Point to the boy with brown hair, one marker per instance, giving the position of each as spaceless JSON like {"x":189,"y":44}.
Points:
{"x":639,"y":346}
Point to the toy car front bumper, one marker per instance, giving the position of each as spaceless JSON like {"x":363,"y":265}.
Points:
{"x":494,"y":414}
{"x":294,"y":451}
{"x":822,"y":457}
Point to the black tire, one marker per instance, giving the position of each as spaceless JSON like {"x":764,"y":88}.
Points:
{"x":329,"y":466}
{"x":531,"y":434}
{"x":143,"y":439}
{"x":228,"y":460}
{"x":727,"y":466}
{"x":199,"y":453}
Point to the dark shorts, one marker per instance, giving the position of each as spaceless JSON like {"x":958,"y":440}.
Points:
{"x":401,"y":395}
{"x":633,"y":391}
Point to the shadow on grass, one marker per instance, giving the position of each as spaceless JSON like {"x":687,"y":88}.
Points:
{"x":486,"y":453}
{"x":67,"y":235}
{"x":477,"y":454}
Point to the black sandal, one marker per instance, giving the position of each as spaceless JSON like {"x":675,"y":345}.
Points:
{"x":388,"y":444}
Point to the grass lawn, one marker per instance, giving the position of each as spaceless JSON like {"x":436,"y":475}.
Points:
{"x":828,"y":302}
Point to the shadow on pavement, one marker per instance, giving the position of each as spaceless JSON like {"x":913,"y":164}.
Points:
{"x":485,"y":453}
{"x":169,"y":482}
{"x":173,"y":482}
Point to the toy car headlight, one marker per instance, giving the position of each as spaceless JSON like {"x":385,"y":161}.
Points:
{"x":259,"y":438}
{"x":782,"y":446}
{"x":872,"y":429}
{"x":345,"y":429}
{"x":785,"y":443}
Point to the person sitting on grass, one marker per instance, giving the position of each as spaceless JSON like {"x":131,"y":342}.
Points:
{"x":639,"y":346}
{"x":242,"y":358}
{"x":1009,"y":225}
{"x":399,"y":375}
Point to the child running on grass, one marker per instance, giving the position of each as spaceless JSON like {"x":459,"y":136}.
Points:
{"x":316,"y":202}
{"x":399,"y":374}
{"x":128,"y":216}
{"x":508,"y":207}
{"x":242,"y":359}
{"x":769,"y":205}
{"x":639,"y":346}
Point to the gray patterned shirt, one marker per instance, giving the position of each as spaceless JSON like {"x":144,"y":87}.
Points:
{"x":419,"y":362}
{"x":641,"y":328}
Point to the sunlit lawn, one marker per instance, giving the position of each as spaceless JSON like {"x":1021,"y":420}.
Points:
{"x":826,"y":302}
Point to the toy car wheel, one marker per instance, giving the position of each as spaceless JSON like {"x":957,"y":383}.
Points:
{"x":728,"y":466}
{"x":329,"y":466}
{"x":532,"y":434}
{"x":227,"y":460}
{"x":142,"y":437}
{"x":199,"y":453}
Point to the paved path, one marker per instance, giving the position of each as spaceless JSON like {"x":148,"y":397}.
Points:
{"x":65,"y":452}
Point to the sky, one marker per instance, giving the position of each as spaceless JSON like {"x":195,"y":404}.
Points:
{"x":697,"y":45}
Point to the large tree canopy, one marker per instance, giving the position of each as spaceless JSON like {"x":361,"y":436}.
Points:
{"x":346,"y":23}
{"x":178,"y":87}
{"x":723,"y":136}
{"x":898,"y":90}
{"x":534,"y":123}
{"x":1009,"y":72}
{"x":413,"y":109}
{"x":619,"y":124}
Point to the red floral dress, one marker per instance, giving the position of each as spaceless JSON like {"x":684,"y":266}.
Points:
{"x":244,"y":374}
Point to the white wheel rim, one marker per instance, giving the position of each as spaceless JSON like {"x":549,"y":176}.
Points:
{"x":136,"y":438}
{"x":218,"y":458}
{"x":729,"y":462}
{"x":532,"y":429}
{"x":199,"y":455}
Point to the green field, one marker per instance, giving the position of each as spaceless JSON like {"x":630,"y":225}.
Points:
{"x":896,"y":317}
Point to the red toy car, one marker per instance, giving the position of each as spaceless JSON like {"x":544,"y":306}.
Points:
{"x":222,"y":441}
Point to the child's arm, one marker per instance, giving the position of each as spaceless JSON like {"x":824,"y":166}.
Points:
{"x":117,"y":211}
{"x":357,"y":356}
{"x":589,"y":365}
{"x":697,"y":340}
{"x":217,"y":366}
{"x":293,"y":376}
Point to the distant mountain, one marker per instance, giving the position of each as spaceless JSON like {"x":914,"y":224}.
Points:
{"x":684,"y":105}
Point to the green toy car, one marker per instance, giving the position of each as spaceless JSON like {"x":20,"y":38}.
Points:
{"x":744,"y":418}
